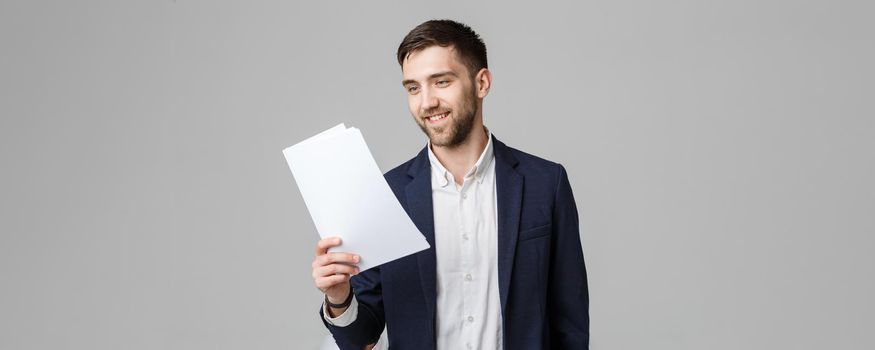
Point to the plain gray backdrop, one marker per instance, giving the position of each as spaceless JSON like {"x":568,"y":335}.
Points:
{"x":721,"y":154}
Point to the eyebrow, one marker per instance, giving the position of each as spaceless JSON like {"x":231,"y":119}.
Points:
{"x":430,"y":77}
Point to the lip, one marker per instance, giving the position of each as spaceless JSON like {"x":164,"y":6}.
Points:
{"x":441,"y":120}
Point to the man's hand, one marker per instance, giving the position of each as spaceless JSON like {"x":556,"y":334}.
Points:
{"x":331,"y":272}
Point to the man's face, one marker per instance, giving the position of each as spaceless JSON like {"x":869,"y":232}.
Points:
{"x":441,"y":95}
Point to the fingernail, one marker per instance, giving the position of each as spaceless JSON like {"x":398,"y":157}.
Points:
{"x":356,"y":258}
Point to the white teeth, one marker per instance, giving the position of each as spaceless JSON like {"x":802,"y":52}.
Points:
{"x":438,"y":117}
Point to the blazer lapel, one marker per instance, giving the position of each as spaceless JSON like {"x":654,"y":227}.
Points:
{"x":509,"y":190}
{"x":419,"y":204}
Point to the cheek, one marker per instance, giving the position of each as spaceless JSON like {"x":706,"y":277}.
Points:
{"x":455,"y":96}
{"x":413,"y":104}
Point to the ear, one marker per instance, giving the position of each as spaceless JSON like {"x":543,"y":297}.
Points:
{"x":483,"y":81}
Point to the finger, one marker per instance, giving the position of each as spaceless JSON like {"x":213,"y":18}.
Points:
{"x":337,"y":258}
{"x":325,"y":243}
{"x":324,"y":283}
{"x":335,"y":269}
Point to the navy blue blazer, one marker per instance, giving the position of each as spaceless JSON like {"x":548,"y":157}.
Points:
{"x":541,"y":272}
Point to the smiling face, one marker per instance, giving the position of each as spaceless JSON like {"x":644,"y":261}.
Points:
{"x":442,"y":96}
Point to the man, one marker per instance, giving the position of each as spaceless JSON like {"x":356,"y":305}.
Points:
{"x":505,"y":269}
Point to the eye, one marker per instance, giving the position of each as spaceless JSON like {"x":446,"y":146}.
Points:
{"x":412,"y":89}
{"x":442,"y":83}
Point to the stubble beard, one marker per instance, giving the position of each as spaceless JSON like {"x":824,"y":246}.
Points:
{"x":459,"y":126}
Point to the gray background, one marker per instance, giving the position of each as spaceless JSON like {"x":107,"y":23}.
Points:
{"x":721,"y":154}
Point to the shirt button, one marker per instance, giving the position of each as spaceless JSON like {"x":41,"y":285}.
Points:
{"x":470,"y":318}
{"x":465,"y":236}
{"x":468,"y":277}
{"x":469,"y":346}
{"x":464,"y":196}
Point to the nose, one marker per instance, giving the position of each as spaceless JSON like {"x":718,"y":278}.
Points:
{"x":429,"y":101}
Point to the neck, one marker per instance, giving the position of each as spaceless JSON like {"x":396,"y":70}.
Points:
{"x":461,"y":158}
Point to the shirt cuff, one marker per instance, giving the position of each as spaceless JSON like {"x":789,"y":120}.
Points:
{"x":346,"y":318}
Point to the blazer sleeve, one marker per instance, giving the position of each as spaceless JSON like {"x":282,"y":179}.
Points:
{"x":369,"y":323}
{"x":568,"y":296}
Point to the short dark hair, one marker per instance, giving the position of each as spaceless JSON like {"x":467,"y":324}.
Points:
{"x":445,"y":32}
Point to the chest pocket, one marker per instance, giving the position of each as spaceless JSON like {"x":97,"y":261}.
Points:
{"x":535,"y":232}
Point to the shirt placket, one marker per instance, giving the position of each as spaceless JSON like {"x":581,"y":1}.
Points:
{"x":469,"y":248}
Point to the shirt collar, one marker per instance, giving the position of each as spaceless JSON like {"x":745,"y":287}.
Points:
{"x":478,"y":171}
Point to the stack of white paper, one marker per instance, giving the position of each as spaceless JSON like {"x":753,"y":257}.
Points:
{"x":348,"y":197}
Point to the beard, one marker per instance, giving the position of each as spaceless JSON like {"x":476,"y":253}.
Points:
{"x":459,"y":124}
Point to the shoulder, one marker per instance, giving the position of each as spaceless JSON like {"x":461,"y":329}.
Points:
{"x":399,"y":173}
{"x":534,"y":168}
{"x":407,"y":170}
{"x":528,"y":160}
{"x":400,"y":176}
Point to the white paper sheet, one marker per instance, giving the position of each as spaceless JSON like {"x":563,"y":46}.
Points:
{"x":348,"y":197}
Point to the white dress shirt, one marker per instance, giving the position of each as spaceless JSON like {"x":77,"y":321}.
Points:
{"x":466,"y":247}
